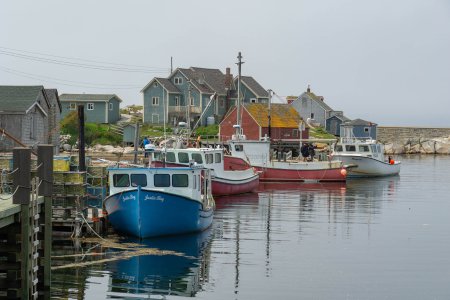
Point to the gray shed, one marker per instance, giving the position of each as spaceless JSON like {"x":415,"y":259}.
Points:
{"x":129,"y":133}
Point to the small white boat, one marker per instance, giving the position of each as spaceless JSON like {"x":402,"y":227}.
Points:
{"x":364,"y":158}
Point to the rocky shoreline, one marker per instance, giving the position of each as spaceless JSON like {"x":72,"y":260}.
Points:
{"x":419,"y":146}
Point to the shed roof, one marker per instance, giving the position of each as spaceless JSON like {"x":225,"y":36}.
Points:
{"x":88,"y":97}
{"x":281,"y":115}
{"x":360,"y":122}
{"x":18,"y":98}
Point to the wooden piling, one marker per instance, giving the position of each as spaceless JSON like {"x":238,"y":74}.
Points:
{"x":45,"y":174}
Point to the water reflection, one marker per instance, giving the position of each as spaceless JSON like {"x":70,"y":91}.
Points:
{"x":180,"y":269}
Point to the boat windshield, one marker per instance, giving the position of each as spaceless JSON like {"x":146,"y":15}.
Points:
{"x":170,"y":157}
{"x":218,"y":158}
{"x":197,"y":157}
{"x":338,"y":148}
{"x":183,"y":157}
{"x":350,"y":148}
{"x":364,"y":148}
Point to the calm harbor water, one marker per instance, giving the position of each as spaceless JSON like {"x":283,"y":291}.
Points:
{"x":386,"y":238}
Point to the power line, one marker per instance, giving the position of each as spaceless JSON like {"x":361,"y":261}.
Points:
{"x":61,"y":81}
{"x":80,"y":65}
{"x":81,"y":59}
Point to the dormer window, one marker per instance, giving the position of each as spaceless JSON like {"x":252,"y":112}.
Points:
{"x":178,"y":80}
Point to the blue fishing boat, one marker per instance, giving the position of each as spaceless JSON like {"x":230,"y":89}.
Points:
{"x":149,"y":202}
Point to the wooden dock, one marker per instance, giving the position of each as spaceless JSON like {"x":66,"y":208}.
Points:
{"x":25,"y":228}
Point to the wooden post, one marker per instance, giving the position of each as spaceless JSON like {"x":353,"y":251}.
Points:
{"x":45,"y":174}
{"x":136,"y":142}
{"x":81,"y":153}
{"x":22,"y":175}
{"x":22,"y":188}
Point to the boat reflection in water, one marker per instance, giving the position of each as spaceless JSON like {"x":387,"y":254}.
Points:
{"x":179,"y":267}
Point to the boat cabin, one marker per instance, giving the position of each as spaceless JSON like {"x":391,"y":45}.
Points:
{"x":189,"y":182}
{"x":208,"y":157}
{"x":367,"y":148}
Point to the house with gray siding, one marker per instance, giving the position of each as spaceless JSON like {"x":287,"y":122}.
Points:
{"x":185,"y":95}
{"x":313,"y":108}
{"x":54,"y":118}
{"x":361,"y":129}
{"x":251,"y":91}
{"x":98,"y":108}
{"x":24,"y":114}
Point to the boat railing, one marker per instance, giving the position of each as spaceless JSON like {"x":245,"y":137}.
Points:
{"x":356,"y":140}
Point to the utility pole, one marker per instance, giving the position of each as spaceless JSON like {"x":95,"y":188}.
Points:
{"x":171,"y":65}
{"x":188,"y":108}
{"x":81,"y":145}
{"x":238,"y":106}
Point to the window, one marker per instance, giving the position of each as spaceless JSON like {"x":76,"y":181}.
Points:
{"x":253,"y":100}
{"x":178,"y":80}
{"x":155,"y":118}
{"x":72,"y":106}
{"x":183,"y":157}
{"x":350,"y":148}
{"x":90,"y":106}
{"x":294,"y":132}
{"x":338,"y":148}
{"x":155,"y":84}
{"x":138,"y":180}
{"x":239,"y":148}
{"x":366,"y":129}
{"x":180,"y":180}
{"x":162,"y":180}
{"x":312,"y":115}
{"x":191,"y":101}
{"x":177,"y":101}
{"x":209,"y":158}
{"x":157,"y":156}
{"x":110,"y":106}
{"x":218,"y":158}
{"x":170,"y":157}
{"x":155,"y":101}
{"x":364,"y":148}
{"x":197,"y":158}
{"x":121,"y":180}
{"x":33,"y":124}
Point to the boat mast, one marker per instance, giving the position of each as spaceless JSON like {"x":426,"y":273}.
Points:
{"x":238,"y":106}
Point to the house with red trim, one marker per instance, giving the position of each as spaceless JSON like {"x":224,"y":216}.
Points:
{"x":284,"y":126}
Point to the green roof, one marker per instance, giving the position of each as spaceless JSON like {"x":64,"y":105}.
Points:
{"x":88,"y":97}
{"x":18,"y":98}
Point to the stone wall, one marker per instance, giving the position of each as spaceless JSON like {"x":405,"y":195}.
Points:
{"x":414,"y":139}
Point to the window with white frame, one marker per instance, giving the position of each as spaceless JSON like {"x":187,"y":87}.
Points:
{"x":72,"y":106}
{"x":294,"y":133}
{"x":366,"y":129}
{"x":90,"y":106}
{"x":312,"y":115}
{"x":177,"y":101}
{"x":155,"y":101}
{"x":110,"y":106}
{"x":253,"y":100}
{"x":178,"y":80}
{"x":191,"y":101}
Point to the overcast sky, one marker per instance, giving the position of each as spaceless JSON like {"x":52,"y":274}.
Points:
{"x":383,"y":61}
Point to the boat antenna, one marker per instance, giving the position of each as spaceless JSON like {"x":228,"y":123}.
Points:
{"x":268,"y":114}
{"x":238,"y":106}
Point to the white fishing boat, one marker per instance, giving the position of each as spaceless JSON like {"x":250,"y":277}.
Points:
{"x":364,"y":157}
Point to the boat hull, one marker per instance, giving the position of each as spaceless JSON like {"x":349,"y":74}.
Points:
{"x":227,"y":186}
{"x":231,"y":182}
{"x":368,"y":167}
{"x":293,"y":171}
{"x":143,"y":213}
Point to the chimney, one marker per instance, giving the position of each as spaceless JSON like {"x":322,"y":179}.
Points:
{"x":308,"y":90}
{"x":228,"y":78}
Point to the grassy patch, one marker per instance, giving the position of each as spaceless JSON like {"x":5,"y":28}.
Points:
{"x":320,"y":133}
